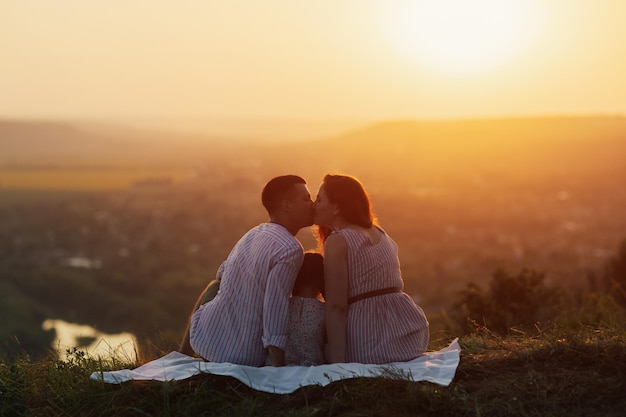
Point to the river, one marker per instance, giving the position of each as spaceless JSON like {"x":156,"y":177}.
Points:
{"x":120,"y":346}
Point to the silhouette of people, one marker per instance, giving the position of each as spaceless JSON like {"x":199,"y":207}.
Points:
{"x":369,"y":319}
{"x":242,"y":316}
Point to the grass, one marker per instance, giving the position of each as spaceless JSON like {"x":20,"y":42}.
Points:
{"x":579,"y":372}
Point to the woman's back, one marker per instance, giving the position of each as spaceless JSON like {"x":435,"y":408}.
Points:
{"x":371,"y":265}
{"x":383,"y":325}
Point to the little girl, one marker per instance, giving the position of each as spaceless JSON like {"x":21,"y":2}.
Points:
{"x":306,"y":331}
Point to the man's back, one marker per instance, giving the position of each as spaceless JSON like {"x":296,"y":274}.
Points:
{"x":249,"y":312}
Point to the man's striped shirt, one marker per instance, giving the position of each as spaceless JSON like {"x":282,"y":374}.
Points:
{"x":250,"y":311}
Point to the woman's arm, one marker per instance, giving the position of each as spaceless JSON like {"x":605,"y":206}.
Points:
{"x":336,"y":286}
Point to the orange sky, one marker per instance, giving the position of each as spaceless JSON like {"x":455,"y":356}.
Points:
{"x":322,"y":59}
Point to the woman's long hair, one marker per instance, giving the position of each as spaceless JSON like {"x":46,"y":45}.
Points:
{"x":352,"y":201}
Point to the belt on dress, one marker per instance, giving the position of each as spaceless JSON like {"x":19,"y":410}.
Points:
{"x":374,"y":293}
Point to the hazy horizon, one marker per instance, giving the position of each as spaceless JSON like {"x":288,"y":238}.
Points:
{"x":272,"y":129}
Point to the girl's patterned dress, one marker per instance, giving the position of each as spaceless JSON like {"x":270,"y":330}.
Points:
{"x":306,"y":331}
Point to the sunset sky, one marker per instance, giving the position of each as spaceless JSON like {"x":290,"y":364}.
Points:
{"x":323,"y":59}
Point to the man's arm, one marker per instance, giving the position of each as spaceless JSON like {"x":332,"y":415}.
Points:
{"x":276,"y":304}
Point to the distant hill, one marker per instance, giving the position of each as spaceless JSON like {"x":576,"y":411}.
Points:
{"x":405,"y":149}
{"x":22,"y":142}
{"x":532,"y":147}
{"x":48,"y":143}
{"x":483,"y":141}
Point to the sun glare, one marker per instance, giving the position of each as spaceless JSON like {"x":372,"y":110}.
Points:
{"x":461,"y":36}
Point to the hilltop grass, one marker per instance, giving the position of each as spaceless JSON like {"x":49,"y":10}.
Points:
{"x":579,"y":372}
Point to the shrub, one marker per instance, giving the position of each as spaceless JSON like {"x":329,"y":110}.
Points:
{"x":512,"y":300}
{"x":615,"y":275}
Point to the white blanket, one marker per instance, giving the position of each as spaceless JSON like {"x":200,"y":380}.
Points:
{"x":437,"y":367}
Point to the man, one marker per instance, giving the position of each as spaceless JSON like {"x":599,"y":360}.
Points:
{"x":246,"y":321}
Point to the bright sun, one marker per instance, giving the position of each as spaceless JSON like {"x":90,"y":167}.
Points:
{"x":461,"y":36}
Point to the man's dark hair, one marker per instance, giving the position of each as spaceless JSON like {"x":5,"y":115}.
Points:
{"x":279,"y":189}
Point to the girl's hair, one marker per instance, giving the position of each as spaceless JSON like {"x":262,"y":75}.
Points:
{"x":311,"y":272}
{"x":351,"y":199}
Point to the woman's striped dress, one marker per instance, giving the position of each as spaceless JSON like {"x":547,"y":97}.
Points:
{"x":384,"y":328}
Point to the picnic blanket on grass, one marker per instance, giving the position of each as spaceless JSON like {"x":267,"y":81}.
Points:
{"x":437,"y":367}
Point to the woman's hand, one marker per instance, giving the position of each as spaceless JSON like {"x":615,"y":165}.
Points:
{"x":277,"y":356}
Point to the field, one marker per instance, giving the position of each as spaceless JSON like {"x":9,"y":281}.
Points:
{"x":575,"y":372}
{"x":85,"y":179}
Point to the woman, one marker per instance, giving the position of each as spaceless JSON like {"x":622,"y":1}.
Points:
{"x":368,"y":317}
